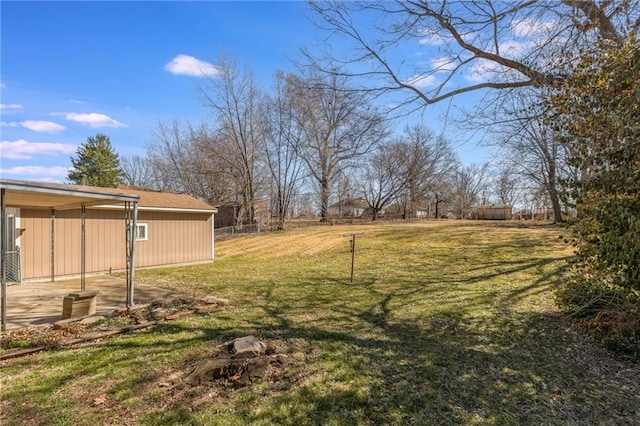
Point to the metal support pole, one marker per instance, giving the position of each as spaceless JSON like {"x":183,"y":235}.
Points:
{"x":132,"y":255}
{"x":83,"y":251}
{"x":127,"y":253}
{"x":352,"y":245}
{"x":53,"y":245}
{"x":3,"y":258}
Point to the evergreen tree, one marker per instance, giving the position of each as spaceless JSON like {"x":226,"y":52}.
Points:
{"x":96,"y":163}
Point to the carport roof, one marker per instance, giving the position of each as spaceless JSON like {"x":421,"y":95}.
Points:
{"x":19,"y":193}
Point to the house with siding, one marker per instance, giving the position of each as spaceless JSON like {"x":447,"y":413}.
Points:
{"x":493,"y":212}
{"x":171,"y":229}
{"x":350,"y":207}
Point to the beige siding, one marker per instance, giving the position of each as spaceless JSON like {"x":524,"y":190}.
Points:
{"x":35,"y":243}
{"x":173,"y":238}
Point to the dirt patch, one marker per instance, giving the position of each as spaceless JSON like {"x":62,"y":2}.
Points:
{"x":191,"y":384}
{"x":77,"y":330}
{"x":212,"y":377}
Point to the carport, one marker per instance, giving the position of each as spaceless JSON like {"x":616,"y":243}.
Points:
{"x":56,"y":197}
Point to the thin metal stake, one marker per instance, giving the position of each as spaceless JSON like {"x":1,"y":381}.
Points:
{"x":83,"y":246}
{"x":53,"y":245}
{"x":352,"y":245}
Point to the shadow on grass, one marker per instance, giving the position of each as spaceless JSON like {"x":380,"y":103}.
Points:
{"x":375,"y":366}
{"x":514,"y":370}
{"x":386,"y":350}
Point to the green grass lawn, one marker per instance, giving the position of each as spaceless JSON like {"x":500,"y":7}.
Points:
{"x":446,"y":322}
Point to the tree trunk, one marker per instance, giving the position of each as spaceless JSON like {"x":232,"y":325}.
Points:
{"x":324,"y":199}
{"x":557,"y":210}
{"x":553,"y":194}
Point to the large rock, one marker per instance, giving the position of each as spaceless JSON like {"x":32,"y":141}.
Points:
{"x":247,"y":347}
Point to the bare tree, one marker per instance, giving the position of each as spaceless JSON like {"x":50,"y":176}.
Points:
{"x":531,"y":147}
{"x":423,"y":158}
{"x":443,"y":191}
{"x":345,"y":186}
{"x":138,"y":171}
{"x":469,"y":182}
{"x":180,"y":161}
{"x":170,"y":153}
{"x":382,"y":179}
{"x":507,"y":185}
{"x":281,"y":139}
{"x":480,"y":44}
{"x":234,"y":98}
{"x":339,"y":124}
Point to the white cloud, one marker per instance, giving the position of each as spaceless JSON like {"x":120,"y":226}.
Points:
{"x":481,"y":71}
{"x":431,"y":38}
{"x":443,"y":64}
{"x":92,"y":119}
{"x":39,"y":126}
{"x":529,"y":27}
{"x":188,"y":65}
{"x":422,"y":81}
{"x":23,"y":150}
{"x":42,"y":126}
{"x":75,"y":101}
{"x":515,"y":49}
{"x":10,"y":107}
{"x":44,"y":174}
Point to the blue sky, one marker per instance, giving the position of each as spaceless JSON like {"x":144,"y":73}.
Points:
{"x":70,"y":70}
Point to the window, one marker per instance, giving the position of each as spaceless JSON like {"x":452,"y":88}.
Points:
{"x":142,"y":232}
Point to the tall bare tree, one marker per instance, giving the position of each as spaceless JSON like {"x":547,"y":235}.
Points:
{"x":170,"y":152}
{"x":180,"y":162}
{"x":339,"y":124}
{"x":531,"y":147}
{"x":507,"y":185}
{"x":382,"y":179}
{"x":233,"y":96}
{"x":423,"y":157}
{"x":138,"y":171}
{"x":281,"y":138}
{"x":469,"y":182}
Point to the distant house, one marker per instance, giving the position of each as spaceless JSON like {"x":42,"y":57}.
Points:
{"x":493,"y":212}
{"x":422,"y":212}
{"x":350,"y":207}
{"x":399,"y":210}
{"x":229,"y":213}
{"x":171,"y":229}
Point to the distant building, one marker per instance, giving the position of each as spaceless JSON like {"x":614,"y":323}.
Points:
{"x":493,"y":212}
{"x":349,"y":207}
{"x":230,"y":213}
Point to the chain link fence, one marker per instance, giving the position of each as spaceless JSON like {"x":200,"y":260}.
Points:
{"x":13,"y":273}
{"x":238,"y":230}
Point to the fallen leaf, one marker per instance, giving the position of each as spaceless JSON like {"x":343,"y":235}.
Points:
{"x":100,"y":400}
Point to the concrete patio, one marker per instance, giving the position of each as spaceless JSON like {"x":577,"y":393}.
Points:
{"x":34,"y":304}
